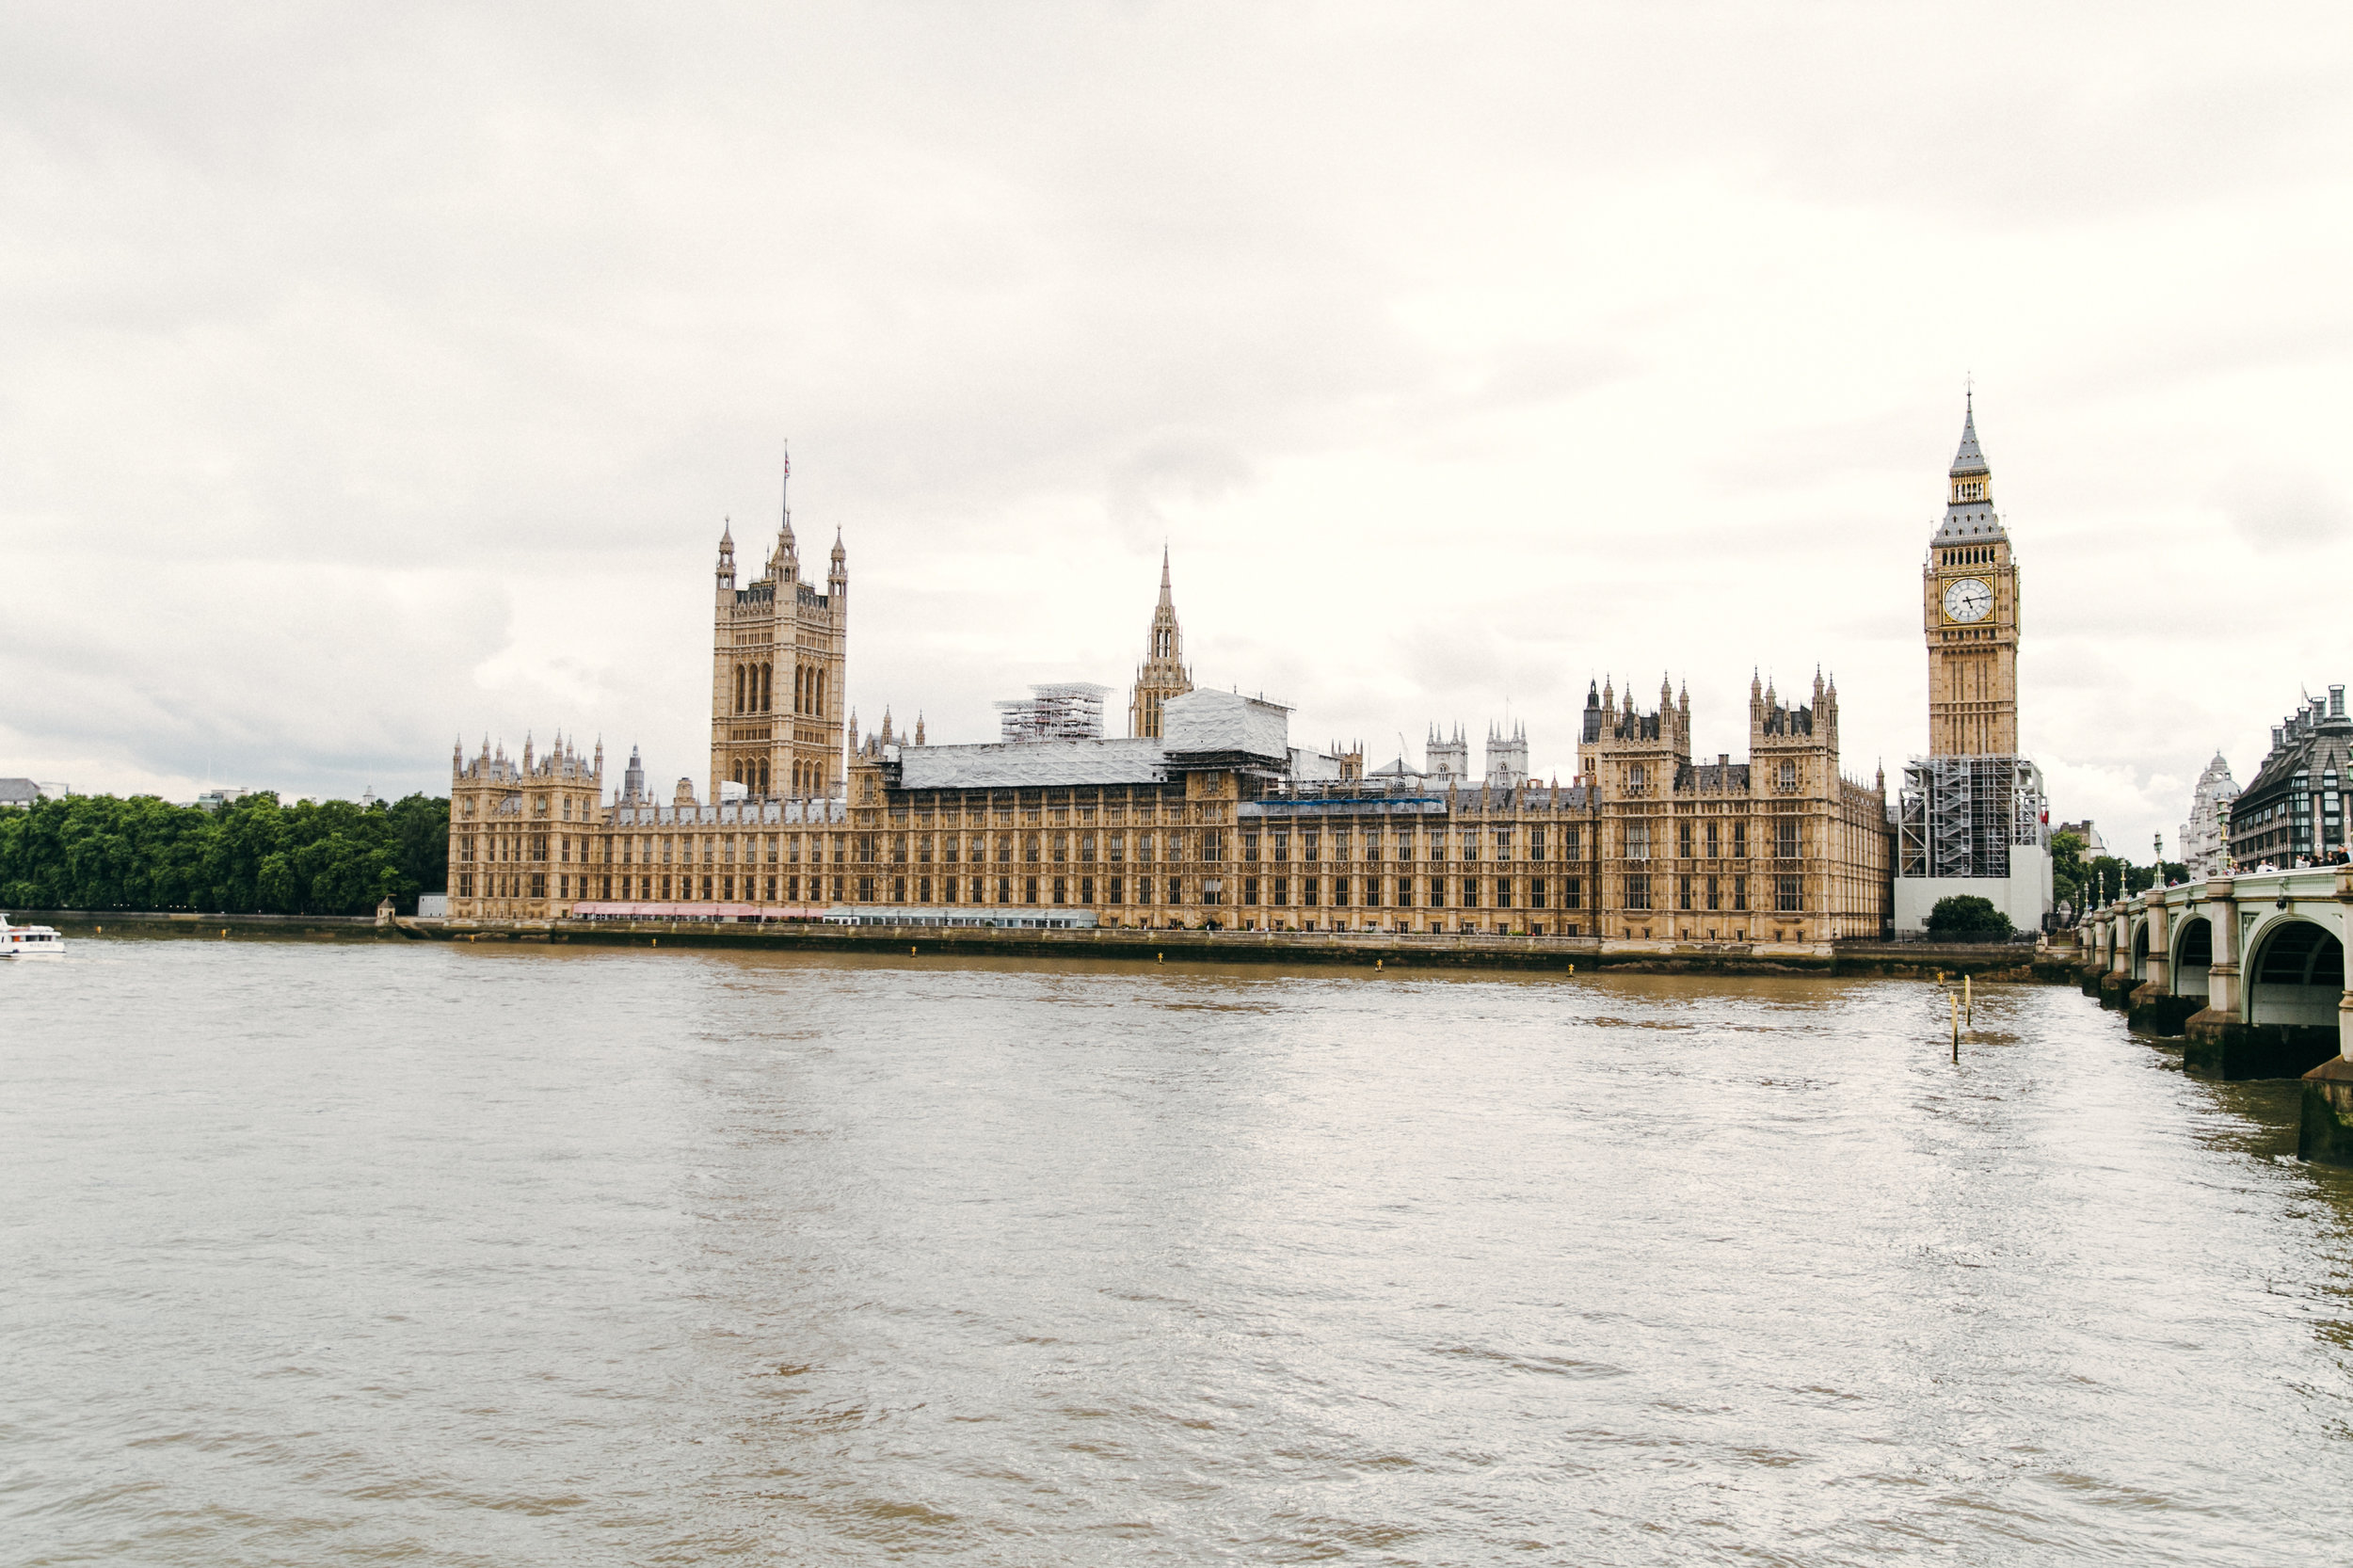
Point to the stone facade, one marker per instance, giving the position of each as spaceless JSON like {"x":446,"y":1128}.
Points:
{"x":779,"y":652}
{"x":1205,"y":817}
{"x":1646,"y":845}
{"x":523,"y":834}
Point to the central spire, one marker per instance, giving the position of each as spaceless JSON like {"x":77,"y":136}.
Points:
{"x":1162,"y":674}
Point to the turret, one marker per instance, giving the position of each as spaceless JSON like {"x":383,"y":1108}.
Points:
{"x":727,"y":557}
{"x":837,"y":579}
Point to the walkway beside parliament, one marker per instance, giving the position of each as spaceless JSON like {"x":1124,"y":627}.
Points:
{"x":1464,"y":950}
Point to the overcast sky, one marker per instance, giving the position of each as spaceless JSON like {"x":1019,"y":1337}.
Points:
{"x":379,"y":376}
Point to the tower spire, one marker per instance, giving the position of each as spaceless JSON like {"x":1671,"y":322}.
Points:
{"x":1969,"y":458}
{"x":1163,"y":674}
{"x":1969,"y":499}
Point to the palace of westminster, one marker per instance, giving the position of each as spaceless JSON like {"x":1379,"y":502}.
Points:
{"x":1205,"y":814}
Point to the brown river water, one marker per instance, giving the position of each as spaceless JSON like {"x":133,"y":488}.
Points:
{"x":438,"y":1254}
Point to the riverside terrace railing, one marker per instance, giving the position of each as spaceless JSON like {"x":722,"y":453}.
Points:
{"x":2261,"y":947}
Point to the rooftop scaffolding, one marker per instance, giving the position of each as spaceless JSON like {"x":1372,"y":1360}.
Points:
{"x":1064,"y":711}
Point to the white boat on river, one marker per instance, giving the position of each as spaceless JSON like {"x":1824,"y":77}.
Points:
{"x":29,"y":941}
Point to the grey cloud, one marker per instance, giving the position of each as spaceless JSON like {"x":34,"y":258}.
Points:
{"x":1472,"y":359}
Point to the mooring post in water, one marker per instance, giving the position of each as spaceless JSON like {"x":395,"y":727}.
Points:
{"x":1968,"y":1002}
{"x":1955,"y":1001}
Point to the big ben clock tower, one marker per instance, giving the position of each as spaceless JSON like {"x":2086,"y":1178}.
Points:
{"x":1969,"y":608}
{"x":1971,"y":818}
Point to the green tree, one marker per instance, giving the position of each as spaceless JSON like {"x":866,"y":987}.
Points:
{"x":1966,"y":917}
{"x":2067,"y":867}
{"x":330,"y":857}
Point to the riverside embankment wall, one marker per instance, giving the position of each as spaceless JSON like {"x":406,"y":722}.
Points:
{"x":1893,"y":960}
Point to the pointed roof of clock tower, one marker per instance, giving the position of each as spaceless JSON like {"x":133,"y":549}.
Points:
{"x":1970,"y":459}
{"x":1969,"y":514}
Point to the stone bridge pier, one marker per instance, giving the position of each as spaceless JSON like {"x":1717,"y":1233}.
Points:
{"x":2250,"y":970}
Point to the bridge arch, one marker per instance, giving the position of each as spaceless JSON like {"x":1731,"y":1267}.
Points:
{"x":2140,"y":950}
{"x":2295,"y":973}
{"x":2193,"y":956}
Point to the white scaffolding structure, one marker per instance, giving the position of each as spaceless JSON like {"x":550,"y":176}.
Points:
{"x":1962,"y":816}
{"x":1066,"y":711}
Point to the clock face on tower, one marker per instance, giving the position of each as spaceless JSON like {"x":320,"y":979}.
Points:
{"x":1968,"y":599}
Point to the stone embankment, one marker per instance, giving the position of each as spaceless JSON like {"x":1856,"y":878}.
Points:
{"x":2011,"y":962}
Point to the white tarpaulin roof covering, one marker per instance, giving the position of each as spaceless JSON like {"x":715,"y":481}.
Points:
{"x":1032,"y":764}
{"x":1227,"y":721}
{"x":1204,"y":723}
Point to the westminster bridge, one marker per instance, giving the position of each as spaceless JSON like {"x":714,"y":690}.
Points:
{"x":2250,"y":970}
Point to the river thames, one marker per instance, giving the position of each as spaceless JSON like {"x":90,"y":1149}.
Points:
{"x":359,"y":1254}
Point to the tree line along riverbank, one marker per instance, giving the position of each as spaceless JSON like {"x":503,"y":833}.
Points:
{"x":254,"y":856}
